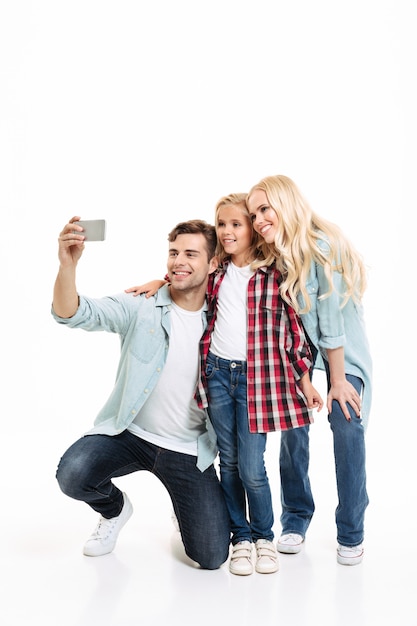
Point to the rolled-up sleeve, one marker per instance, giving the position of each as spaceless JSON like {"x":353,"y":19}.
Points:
{"x":330,"y":315}
{"x":103,"y":314}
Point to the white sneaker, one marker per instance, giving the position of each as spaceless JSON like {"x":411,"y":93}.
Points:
{"x":104,"y":538}
{"x":346,"y":555}
{"x":290,"y":543}
{"x":266,"y":557}
{"x":241,"y":559}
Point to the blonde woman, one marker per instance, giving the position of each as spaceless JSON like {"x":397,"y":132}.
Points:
{"x":324,"y":279}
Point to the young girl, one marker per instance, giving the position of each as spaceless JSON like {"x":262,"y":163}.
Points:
{"x":255,"y":377}
{"x":324,"y":281}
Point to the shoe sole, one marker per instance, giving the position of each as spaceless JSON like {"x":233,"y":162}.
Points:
{"x":349,"y":561}
{"x":269,"y":571}
{"x":284,"y":549}
{"x":240,"y":573}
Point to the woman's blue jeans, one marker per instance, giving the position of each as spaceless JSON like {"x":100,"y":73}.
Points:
{"x":242,"y":469}
{"x":87,"y":467}
{"x":349,"y":454}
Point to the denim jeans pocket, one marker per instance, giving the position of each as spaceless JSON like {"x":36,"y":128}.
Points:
{"x":210,"y":370}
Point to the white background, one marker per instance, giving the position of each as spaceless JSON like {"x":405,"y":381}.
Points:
{"x":145,"y":114}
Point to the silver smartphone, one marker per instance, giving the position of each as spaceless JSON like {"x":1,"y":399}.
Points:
{"x":94,"y":230}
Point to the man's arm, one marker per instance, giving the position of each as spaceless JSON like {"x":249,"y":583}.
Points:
{"x":71,"y":246}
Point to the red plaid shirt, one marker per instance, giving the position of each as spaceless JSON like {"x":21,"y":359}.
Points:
{"x":278,"y":354}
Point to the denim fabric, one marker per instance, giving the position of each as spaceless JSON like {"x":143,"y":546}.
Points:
{"x":349,"y":453}
{"x":87,"y":467}
{"x":242,"y":468}
{"x":143,"y":325}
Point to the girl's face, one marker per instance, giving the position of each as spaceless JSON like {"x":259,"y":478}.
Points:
{"x":234,"y":232}
{"x":264,"y":218}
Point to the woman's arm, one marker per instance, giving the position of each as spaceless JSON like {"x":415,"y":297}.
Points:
{"x":341,"y":389}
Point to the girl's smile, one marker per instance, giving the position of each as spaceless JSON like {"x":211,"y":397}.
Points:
{"x":234,"y":232}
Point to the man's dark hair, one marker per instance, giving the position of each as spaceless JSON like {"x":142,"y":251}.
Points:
{"x":196,"y":227}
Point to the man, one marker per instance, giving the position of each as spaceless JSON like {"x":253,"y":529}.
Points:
{"x":151,"y":420}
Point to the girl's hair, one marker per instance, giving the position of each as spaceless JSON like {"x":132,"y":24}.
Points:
{"x":239,"y":200}
{"x":303,"y":237}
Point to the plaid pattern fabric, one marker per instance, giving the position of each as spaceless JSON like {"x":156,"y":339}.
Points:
{"x":278,"y":354}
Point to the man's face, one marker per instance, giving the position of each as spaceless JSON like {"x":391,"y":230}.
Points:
{"x":188,"y":265}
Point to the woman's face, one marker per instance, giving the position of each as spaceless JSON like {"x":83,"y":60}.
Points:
{"x":264,"y":218}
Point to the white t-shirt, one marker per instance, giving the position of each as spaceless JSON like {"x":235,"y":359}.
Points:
{"x":229,"y":337}
{"x":170,"y":417}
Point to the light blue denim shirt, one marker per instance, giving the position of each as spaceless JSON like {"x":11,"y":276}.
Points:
{"x":143,"y":325}
{"x":330,"y":326}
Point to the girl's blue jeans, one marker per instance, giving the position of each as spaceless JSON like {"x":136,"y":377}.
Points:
{"x":242,"y":469}
{"x":349,"y":454}
{"x":86,"y":470}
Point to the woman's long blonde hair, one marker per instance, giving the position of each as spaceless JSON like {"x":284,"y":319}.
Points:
{"x":297,"y":244}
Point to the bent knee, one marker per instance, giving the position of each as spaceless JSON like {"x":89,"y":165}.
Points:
{"x":212,"y":561}
{"x":71,"y":477}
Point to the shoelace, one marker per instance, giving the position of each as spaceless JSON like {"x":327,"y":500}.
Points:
{"x":291,"y":539}
{"x":104,"y":528}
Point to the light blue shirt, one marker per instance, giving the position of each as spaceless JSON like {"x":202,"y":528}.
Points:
{"x":330,"y":326}
{"x":143,"y":325}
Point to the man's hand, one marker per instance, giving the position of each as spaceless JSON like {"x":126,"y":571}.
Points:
{"x":71,"y":246}
{"x":71,"y":243}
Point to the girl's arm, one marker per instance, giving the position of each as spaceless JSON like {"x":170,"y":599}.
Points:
{"x":314,"y":399}
{"x":149,"y":288}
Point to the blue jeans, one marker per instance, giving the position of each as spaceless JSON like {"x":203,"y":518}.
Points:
{"x":241,"y":453}
{"x":349,"y":454}
{"x":87,"y":467}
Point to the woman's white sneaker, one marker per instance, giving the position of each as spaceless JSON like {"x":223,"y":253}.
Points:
{"x":104,"y":538}
{"x":290,"y":543}
{"x":347,"y":555}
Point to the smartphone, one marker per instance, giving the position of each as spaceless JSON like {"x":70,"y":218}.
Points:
{"x":94,"y":230}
